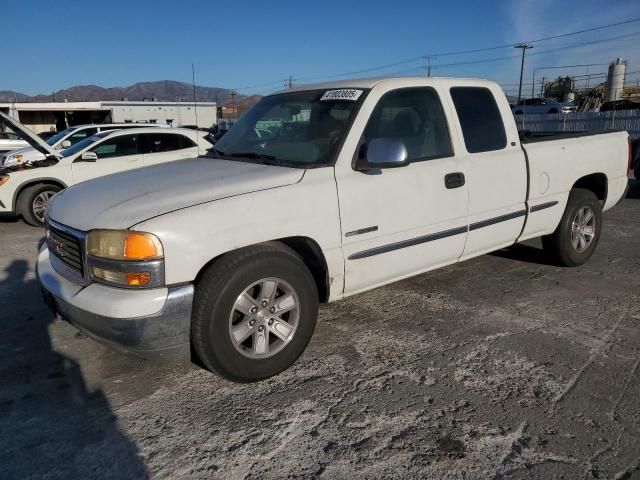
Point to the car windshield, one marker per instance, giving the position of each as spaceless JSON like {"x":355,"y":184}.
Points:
{"x":297,"y":129}
{"x":78,"y":147}
{"x":59,"y":136}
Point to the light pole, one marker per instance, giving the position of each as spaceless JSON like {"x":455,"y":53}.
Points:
{"x":524,"y":48}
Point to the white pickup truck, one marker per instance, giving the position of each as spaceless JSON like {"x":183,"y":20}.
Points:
{"x":317,"y":193}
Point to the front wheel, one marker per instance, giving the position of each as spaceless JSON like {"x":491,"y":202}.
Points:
{"x":33,"y":203}
{"x":254,"y":312}
{"x":577,"y":235}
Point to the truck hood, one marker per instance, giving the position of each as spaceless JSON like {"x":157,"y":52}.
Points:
{"x":31,"y":138}
{"x":124,"y":199}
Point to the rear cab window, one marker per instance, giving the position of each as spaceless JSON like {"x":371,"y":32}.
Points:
{"x":480,"y":119}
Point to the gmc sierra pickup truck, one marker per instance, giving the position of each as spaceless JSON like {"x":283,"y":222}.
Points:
{"x":317,"y":193}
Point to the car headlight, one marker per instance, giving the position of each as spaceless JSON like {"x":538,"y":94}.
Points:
{"x":13,"y":160}
{"x":125,"y":258}
{"x":4,"y":179}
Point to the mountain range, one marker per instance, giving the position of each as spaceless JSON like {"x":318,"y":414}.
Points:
{"x":163,"y":90}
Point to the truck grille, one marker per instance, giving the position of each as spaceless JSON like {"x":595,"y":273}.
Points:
{"x":67,"y":248}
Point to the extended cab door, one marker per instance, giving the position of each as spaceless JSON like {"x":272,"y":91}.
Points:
{"x":115,"y":154}
{"x":494,"y":167}
{"x":400,"y":221}
{"x":166,"y":147}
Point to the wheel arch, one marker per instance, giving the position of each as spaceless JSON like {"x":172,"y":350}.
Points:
{"x":596,"y":183}
{"x":32,"y":182}
{"x":310,"y":253}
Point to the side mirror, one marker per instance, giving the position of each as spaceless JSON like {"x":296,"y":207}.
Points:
{"x":65,"y":144}
{"x":89,"y":157}
{"x":383,"y":153}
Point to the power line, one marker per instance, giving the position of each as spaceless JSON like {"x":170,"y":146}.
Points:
{"x":477,"y":50}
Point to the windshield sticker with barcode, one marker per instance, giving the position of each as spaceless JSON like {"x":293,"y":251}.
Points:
{"x":342,"y":94}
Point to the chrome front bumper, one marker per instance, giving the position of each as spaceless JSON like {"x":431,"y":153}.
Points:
{"x":163,"y":335}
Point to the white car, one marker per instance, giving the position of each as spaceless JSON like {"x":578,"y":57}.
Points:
{"x":10,"y":141}
{"x":23,"y":153}
{"x":357,"y":184}
{"x":26,"y":189}
{"x":541,"y":106}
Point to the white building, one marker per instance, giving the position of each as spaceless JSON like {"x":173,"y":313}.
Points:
{"x":50,"y":116}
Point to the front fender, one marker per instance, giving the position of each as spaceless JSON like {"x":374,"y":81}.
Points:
{"x":193,"y":236}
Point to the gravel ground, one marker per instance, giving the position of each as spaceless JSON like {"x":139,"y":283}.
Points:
{"x":502,"y":366}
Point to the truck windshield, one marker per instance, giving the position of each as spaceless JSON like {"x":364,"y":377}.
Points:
{"x":297,"y":129}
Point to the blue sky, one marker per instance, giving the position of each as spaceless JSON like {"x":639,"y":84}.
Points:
{"x":53,"y":45}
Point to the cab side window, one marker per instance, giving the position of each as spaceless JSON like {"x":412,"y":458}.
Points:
{"x":415,"y":117}
{"x":480,"y":119}
{"x":117,"y":147}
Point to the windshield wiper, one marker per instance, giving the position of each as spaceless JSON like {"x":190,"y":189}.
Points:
{"x":263,"y":157}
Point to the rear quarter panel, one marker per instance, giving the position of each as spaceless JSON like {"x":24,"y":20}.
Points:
{"x":556,"y":165}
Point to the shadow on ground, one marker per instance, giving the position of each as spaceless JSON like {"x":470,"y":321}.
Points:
{"x":64,"y":430}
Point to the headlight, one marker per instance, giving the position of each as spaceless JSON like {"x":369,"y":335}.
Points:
{"x":125,"y":258}
{"x":4,"y":179}
{"x":13,"y":160}
{"x":123,"y":245}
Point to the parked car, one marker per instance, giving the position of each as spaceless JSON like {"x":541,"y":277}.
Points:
{"x":358,"y":184}
{"x":64,"y":139}
{"x":10,"y":141}
{"x":619,"y":105}
{"x":541,"y":105}
{"x":47,"y":135}
{"x":27,"y":189}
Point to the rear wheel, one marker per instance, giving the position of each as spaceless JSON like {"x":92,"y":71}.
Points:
{"x":553,"y":110}
{"x":576,"y":237}
{"x":33,"y":203}
{"x":254,"y":313}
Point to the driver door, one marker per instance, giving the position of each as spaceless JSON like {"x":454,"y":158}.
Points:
{"x":397,"y":222}
{"x":115,"y":154}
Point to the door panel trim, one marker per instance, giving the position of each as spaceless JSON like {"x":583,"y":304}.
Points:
{"x":436,"y":236}
{"x":407,"y":243}
{"x":493,"y":221}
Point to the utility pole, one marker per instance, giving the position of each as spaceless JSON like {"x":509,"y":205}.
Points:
{"x":542,"y":88}
{"x":290,"y":83}
{"x":523,"y":47}
{"x":428,"y":65}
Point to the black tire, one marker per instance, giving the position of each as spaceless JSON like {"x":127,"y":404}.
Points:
{"x":636,"y":172}
{"x":518,"y":112}
{"x":216,"y":293}
{"x":559,"y":243}
{"x":25,"y":203}
{"x":553,"y":110}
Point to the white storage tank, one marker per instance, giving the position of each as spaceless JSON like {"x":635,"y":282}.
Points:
{"x":615,"y":80}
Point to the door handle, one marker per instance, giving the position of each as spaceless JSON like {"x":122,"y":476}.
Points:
{"x":454,"y":180}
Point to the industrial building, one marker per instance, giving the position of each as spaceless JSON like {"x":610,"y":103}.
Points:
{"x":56,"y":116}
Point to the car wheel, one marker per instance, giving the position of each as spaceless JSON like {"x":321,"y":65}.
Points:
{"x":576,"y":237}
{"x":553,"y":110}
{"x":254,"y":312}
{"x":33,"y":202}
